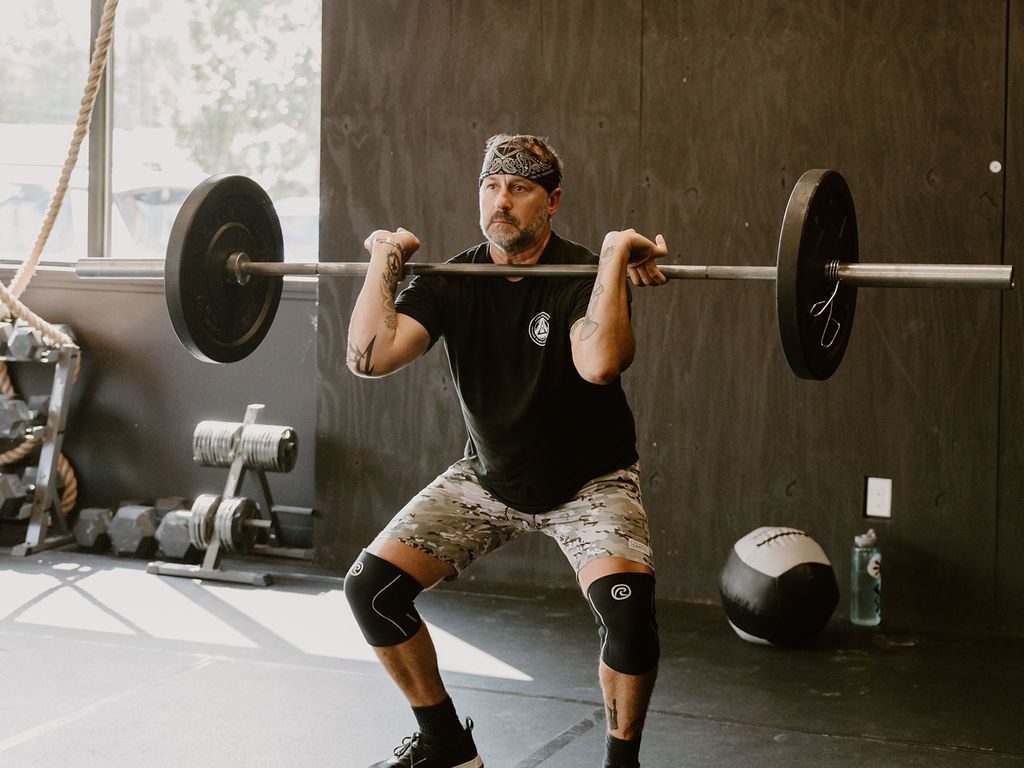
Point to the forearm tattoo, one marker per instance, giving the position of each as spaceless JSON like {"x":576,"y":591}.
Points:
{"x":389,"y":288}
{"x":590,"y":325}
{"x":360,"y":359}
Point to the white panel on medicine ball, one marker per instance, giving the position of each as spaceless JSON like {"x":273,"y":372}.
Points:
{"x":774,"y":550}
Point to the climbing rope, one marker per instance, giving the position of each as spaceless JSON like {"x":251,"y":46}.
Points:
{"x":10,"y":294}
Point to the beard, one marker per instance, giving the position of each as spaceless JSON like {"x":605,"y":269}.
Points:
{"x":517,"y":237}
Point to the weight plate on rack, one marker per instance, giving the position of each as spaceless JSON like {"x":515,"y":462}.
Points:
{"x":200,"y":521}
{"x":819,"y":230}
{"x":234,"y":534}
{"x":215,"y":318}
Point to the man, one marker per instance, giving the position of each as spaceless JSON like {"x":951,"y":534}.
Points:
{"x":551,"y":447}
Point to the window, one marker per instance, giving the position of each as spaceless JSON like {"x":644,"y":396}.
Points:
{"x":44,"y":57}
{"x":200,"y":88}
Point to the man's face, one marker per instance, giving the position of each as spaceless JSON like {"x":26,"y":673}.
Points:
{"x":515,"y":213}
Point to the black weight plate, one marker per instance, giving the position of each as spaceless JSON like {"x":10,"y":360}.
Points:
{"x":215,"y":318}
{"x":820,"y":227}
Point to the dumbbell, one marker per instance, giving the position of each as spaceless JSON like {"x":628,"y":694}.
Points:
{"x":172,"y":531}
{"x":27,"y":343}
{"x":39,"y":408}
{"x":6,"y":330}
{"x":133,"y":531}
{"x":92,"y":529}
{"x":15,"y":417}
{"x":12,"y":495}
{"x":174,"y":539}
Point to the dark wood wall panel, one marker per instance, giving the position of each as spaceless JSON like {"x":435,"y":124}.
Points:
{"x":1011,"y":468}
{"x":695,"y":119}
{"x":403,"y":140}
{"x":733,"y":113}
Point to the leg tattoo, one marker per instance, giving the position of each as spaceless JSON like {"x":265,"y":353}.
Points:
{"x":613,"y":716}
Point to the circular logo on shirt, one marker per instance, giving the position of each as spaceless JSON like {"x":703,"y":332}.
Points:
{"x":356,"y":569}
{"x":539,"y":328}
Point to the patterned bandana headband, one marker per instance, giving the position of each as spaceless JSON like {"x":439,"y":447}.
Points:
{"x":513,"y":161}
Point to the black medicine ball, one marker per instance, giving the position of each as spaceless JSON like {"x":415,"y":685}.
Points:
{"x":778,"y":587}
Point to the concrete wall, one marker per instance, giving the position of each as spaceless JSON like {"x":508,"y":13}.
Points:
{"x":140,"y":394}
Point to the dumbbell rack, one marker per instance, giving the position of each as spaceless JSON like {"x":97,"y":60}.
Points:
{"x":211,"y":568}
{"x":45,"y":510}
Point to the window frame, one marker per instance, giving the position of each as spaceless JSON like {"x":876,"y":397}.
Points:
{"x":100,"y":138}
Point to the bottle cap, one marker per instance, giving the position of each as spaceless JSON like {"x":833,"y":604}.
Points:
{"x":868,"y":539}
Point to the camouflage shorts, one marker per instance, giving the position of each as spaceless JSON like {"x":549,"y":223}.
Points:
{"x":456,"y":520}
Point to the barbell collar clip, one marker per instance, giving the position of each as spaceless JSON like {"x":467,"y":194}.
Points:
{"x":236,"y":268}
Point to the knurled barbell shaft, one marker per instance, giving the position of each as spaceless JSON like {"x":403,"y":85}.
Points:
{"x":358,"y":269}
{"x":154,"y":269}
{"x":994,"y":276}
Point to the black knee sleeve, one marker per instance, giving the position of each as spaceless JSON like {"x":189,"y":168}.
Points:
{"x":623,"y":606}
{"x":381,"y":597}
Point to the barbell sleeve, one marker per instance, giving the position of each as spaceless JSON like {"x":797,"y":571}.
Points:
{"x":146,"y":269}
{"x":996,"y":276}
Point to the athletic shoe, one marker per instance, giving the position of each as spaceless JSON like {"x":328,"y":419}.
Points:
{"x":414,"y":752}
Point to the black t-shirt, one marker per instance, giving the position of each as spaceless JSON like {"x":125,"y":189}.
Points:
{"x":537,"y":430}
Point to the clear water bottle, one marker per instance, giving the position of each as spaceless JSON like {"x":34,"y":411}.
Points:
{"x":866,"y":580}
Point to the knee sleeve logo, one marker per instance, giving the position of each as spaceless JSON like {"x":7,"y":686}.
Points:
{"x":356,"y":569}
{"x":621,"y":592}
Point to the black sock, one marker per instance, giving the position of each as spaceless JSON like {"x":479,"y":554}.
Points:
{"x":438,"y":722}
{"x":621,"y":754}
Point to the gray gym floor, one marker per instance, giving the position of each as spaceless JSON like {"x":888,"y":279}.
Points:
{"x":102,"y":664}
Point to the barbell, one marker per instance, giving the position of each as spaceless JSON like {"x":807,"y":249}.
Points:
{"x":225,"y":260}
